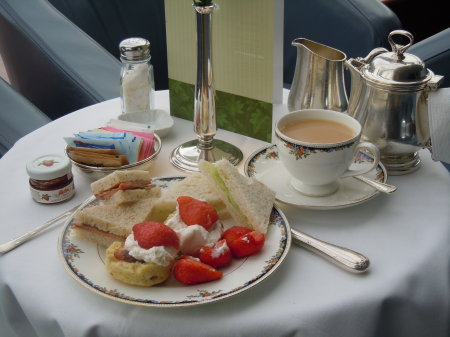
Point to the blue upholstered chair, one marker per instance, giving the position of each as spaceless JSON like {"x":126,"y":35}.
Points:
{"x":51,"y":61}
{"x":435,"y":52}
{"x":63,"y":55}
{"x":17,"y":117}
{"x":355,"y":27}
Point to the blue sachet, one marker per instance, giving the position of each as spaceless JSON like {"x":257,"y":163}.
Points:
{"x":124,"y":142}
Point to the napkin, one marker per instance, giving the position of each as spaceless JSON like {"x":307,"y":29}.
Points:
{"x":439,"y":121}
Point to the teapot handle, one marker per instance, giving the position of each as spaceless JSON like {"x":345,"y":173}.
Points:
{"x":435,"y":81}
{"x":397,"y":48}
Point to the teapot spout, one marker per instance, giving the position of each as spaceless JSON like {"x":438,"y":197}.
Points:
{"x":354,"y":66}
{"x":357,"y":104}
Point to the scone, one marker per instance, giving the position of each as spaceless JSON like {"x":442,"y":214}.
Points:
{"x":147,"y":256}
{"x":137,"y":273}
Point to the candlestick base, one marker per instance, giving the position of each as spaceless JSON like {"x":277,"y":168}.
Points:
{"x":187,"y":156}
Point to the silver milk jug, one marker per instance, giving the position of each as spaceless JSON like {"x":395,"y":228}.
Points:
{"x":389,"y":97}
{"x":318,"y":81}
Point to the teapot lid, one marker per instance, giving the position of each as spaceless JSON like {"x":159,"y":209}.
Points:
{"x":397,"y":67}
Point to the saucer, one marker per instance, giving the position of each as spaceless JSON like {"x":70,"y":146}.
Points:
{"x":157,"y":121}
{"x":266,"y":166}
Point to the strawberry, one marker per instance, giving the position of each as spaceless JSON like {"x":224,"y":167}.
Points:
{"x":196,"y":212}
{"x":152,"y":234}
{"x":217,"y":256}
{"x":189,"y":271}
{"x":247,"y":244}
{"x":234,"y":233}
{"x":48,"y":163}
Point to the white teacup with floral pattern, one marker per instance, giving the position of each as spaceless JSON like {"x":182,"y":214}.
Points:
{"x":316,"y":168}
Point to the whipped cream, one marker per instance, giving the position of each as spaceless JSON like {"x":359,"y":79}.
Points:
{"x":220,"y":250}
{"x":160,"y":255}
{"x":193,"y":237}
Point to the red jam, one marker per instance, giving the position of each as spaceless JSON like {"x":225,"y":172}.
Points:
{"x":51,"y":179}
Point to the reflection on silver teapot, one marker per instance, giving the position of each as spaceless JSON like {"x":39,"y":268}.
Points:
{"x":389,"y":96}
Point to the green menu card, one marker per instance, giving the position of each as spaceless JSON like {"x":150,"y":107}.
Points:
{"x":247,"y":40}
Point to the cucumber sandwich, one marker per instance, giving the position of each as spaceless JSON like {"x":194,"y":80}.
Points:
{"x":248,"y":201}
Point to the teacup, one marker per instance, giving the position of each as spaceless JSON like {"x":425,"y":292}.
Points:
{"x":317,"y":148}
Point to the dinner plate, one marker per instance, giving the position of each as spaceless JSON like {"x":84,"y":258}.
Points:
{"x":265,"y":165}
{"x":84,"y":261}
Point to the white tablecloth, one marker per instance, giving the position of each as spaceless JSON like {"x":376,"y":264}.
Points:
{"x":406,"y":236}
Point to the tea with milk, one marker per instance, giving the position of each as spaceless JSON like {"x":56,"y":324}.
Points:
{"x":318,"y":131}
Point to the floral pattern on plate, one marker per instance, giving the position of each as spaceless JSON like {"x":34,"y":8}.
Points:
{"x":84,"y":261}
{"x":300,"y":151}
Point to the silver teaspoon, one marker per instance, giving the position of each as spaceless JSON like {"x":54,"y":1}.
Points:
{"x":382,"y":187}
{"x":342,"y":257}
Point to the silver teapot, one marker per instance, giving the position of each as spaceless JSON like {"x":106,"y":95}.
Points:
{"x":389,"y":97}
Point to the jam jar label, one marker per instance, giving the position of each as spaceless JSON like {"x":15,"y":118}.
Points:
{"x":53,"y":196}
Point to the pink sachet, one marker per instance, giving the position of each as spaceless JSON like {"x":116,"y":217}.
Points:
{"x":147,"y":140}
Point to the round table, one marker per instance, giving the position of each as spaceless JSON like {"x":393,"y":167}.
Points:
{"x":406,"y":235}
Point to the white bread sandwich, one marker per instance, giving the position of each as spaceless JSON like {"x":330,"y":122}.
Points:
{"x":249,"y":201}
{"x":196,"y":186}
{"x":106,"y":222}
{"x":125,"y":187}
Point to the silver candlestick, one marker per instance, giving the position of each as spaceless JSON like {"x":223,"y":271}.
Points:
{"x":187,"y":156}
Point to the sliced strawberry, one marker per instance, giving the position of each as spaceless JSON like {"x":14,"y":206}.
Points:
{"x":247,"y":244}
{"x":196,"y":212}
{"x":191,"y":271}
{"x":234,"y":233}
{"x":152,"y":234}
{"x":217,"y":256}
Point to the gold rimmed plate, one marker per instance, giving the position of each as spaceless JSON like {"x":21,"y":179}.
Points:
{"x":84,"y":262}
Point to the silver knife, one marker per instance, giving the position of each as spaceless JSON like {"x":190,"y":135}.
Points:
{"x":342,"y":257}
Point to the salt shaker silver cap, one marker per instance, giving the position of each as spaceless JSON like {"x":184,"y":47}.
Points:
{"x":134,"y":49}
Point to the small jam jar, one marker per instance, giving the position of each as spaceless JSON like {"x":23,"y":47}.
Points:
{"x":51,"y":178}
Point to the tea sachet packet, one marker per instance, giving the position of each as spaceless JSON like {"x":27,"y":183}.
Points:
{"x":147,"y":140}
{"x":125,"y":143}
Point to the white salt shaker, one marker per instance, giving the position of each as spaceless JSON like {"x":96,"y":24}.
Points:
{"x":137,"y":84}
